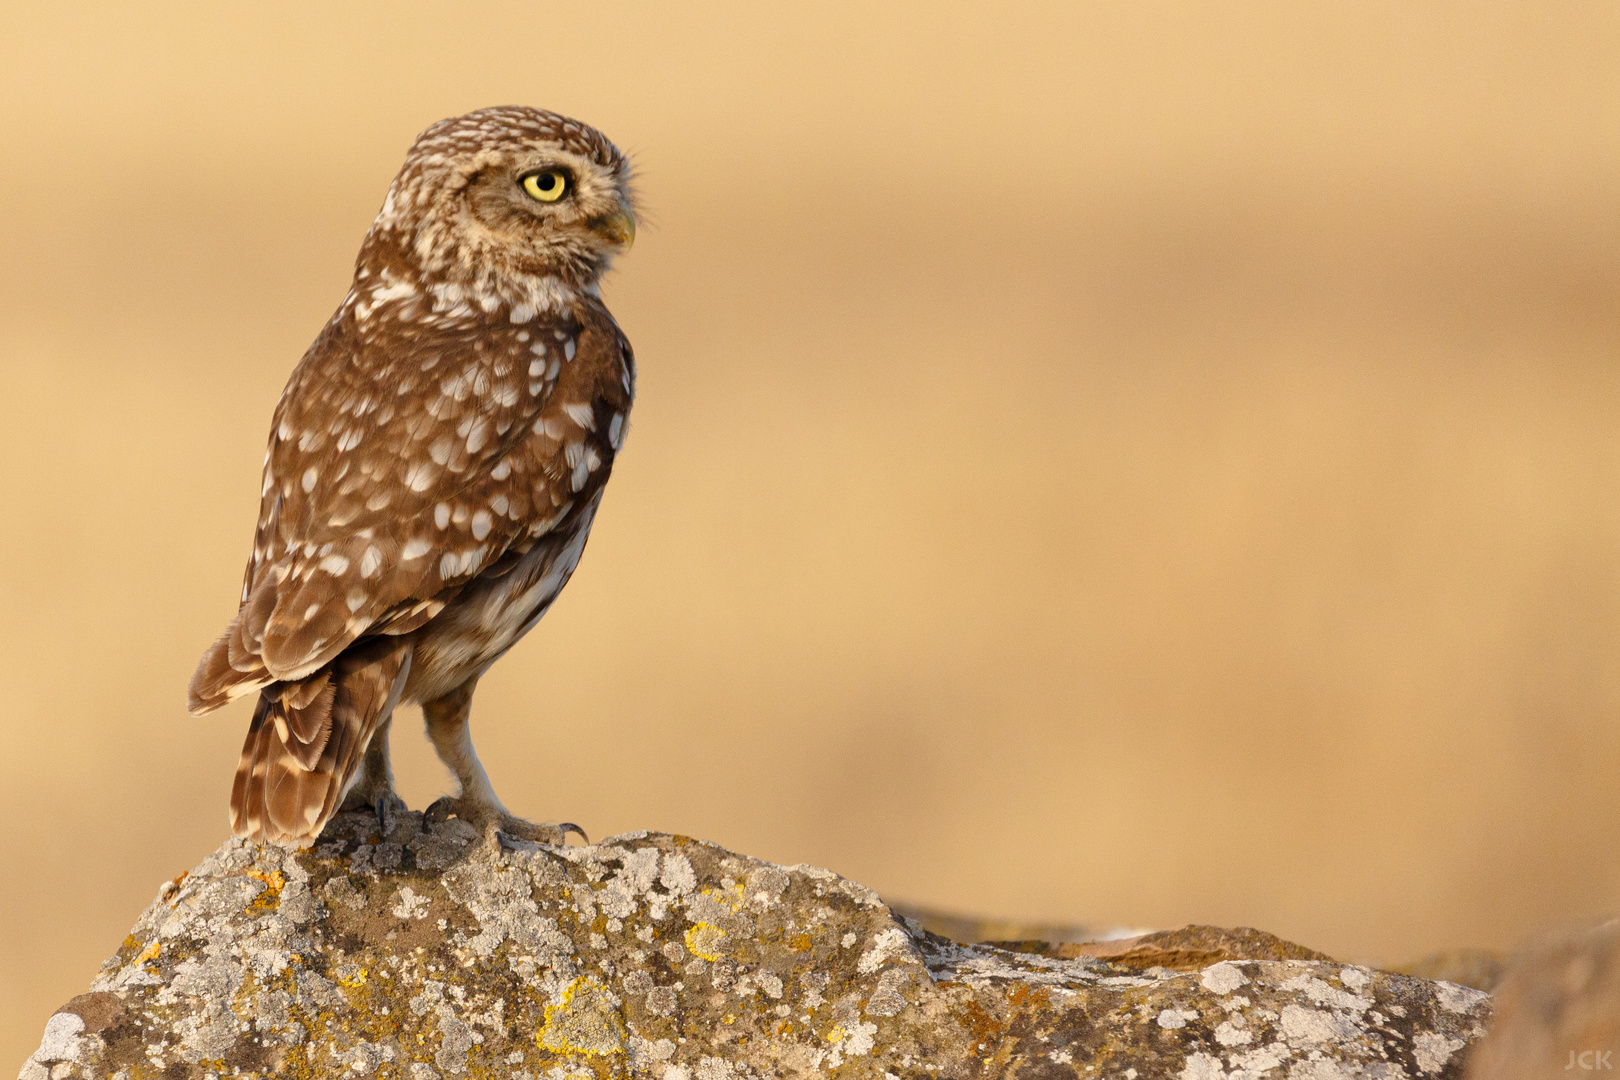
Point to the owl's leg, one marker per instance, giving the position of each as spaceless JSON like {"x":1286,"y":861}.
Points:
{"x":373,"y":786}
{"x":476,"y":803}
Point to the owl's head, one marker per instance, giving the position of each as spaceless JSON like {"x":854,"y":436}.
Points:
{"x":501,"y":196}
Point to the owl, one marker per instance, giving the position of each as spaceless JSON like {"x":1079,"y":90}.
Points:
{"x":434,"y":467}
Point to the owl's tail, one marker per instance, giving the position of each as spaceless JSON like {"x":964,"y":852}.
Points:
{"x":308,"y":738}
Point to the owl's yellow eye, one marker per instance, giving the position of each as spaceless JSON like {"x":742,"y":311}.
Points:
{"x":547,"y":186}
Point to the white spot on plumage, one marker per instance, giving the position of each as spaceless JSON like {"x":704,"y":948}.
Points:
{"x":582,"y":414}
{"x":502,"y":470}
{"x":458,"y":386}
{"x":415,"y":548}
{"x":370,"y":562}
{"x":399,"y":290}
{"x":311,"y":611}
{"x":441,"y":515}
{"x":420,"y":476}
{"x":311,"y":474}
{"x":356,"y":599}
{"x":536,"y":368}
{"x":498,"y":504}
{"x":449,"y":565}
{"x":481,"y":522}
{"x":568,"y":349}
{"x":521,"y":313}
{"x":379,"y":500}
{"x":616,"y":430}
{"x":478,"y":435}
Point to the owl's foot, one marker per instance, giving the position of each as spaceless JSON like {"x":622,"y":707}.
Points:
{"x":382,"y":801}
{"x":485,"y":818}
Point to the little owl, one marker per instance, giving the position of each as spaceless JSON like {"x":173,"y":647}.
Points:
{"x":435,"y":463}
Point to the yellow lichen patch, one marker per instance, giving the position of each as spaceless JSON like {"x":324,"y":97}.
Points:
{"x":1024,"y":996}
{"x":835,"y":1035}
{"x":801,"y":943}
{"x":266,"y":901}
{"x":731,"y":897}
{"x":704,"y":941}
{"x":587,"y":1022}
{"x":358,"y":979}
{"x":149,"y":953}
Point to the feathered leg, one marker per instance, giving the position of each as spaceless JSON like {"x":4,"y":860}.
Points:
{"x":373,"y":785}
{"x":476,"y":803}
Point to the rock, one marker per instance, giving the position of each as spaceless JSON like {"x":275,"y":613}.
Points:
{"x":1480,"y":968}
{"x":1557,"y":1011}
{"x":439,"y":954}
{"x":1191,"y":948}
{"x":972,"y":928}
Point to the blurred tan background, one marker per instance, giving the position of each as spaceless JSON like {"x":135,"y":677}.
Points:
{"x":1097,"y":462}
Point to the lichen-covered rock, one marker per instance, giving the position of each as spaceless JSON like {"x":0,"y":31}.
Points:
{"x":1190,"y":948}
{"x":439,"y":954}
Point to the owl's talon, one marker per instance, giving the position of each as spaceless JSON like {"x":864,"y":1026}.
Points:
{"x":439,"y":811}
{"x":485,"y":818}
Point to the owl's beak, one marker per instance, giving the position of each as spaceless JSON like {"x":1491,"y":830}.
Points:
{"x":618,"y":228}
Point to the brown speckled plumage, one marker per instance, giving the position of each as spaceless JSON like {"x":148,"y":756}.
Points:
{"x":435,"y":463}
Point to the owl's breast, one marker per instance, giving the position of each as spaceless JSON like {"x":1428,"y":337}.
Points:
{"x":496,"y":610}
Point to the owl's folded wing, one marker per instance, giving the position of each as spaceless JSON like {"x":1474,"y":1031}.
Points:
{"x":403,"y":464}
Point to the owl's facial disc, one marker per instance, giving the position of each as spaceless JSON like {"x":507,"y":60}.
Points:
{"x":553,"y":211}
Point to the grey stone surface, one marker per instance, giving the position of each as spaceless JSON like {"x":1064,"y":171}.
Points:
{"x":440,"y":954}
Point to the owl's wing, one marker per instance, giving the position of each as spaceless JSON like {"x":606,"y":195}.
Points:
{"x":407,"y":459}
